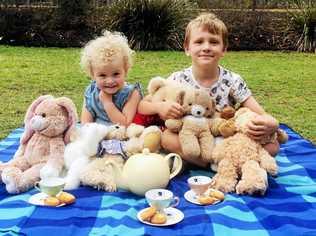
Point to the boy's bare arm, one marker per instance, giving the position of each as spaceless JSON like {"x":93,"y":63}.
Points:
{"x":263,"y":124}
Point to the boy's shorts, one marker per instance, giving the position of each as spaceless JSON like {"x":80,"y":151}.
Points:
{"x":148,"y":120}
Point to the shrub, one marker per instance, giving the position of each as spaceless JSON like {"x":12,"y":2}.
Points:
{"x":304,"y":21}
{"x":150,"y":24}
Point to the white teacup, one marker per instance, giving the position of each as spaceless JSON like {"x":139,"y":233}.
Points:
{"x":161,"y":199}
{"x":51,"y":186}
{"x":199,"y":184}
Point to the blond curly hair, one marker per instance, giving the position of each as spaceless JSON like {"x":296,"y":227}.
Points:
{"x":104,"y":49}
{"x":211,"y":23}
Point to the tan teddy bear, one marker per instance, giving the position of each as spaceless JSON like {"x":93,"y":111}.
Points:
{"x":161,"y":90}
{"x":100,"y":173}
{"x":242,"y":163}
{"x":194,"y":128}
{"x":48,"y":122}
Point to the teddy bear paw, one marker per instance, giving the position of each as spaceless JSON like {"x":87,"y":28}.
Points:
{"x":244,"y":187}
{"x":224,"y":185}
{"x":71,"y":183}
{"x":10,"y":182}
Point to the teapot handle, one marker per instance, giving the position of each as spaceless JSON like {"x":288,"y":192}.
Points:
{"x":178,"y":161}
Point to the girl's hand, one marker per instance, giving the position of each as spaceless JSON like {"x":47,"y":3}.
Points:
{"x":261,"y":126}
{"x":105,"y":98}
{"x":170,"y":110}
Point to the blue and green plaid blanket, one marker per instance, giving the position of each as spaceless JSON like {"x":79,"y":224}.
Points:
{"x":288,"y":208}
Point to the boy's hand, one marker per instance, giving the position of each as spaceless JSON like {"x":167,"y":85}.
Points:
{"x":261,"y":126}
{"x":170,"y":110}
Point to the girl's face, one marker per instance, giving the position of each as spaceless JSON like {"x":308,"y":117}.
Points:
{"x":205,"y":48}
{"x":110,"y":77}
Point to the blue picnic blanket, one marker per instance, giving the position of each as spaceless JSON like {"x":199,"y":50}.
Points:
{"x":288,"y":208}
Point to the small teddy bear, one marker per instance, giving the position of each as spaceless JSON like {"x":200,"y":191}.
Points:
{"x":242,"y":163}
{"x":194,"y":128}
{"x":49,"y":123}
{"x":100,"y":173}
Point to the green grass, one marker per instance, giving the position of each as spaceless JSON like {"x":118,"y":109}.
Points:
{"x":284,"y":83}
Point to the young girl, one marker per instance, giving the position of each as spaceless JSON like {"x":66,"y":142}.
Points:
{"x":108,"y":98}
{"x":206,"y":41}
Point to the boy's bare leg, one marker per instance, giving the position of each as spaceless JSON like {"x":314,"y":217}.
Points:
{"x":272,"y":148}
{"x":170,"y":142}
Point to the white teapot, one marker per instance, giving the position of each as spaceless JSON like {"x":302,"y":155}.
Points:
{"x":145,"y":171}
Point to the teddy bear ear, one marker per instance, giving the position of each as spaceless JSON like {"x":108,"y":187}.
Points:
{"x":155,"y":84}
{"x":72,"y":116}
{"x":28,"y":132}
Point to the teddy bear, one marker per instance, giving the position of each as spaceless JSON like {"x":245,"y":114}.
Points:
{"x":99,"y":173}
{"x":242,"y":163}
{"x":229,"y":121}
{"x":194,"y":128}
{"x":49,"y":123}
{"x":161,"y":90}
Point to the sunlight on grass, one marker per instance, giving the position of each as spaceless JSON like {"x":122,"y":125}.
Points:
{"x":284,"y":83}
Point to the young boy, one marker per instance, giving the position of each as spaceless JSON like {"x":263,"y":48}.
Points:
{"x":206,"y":41}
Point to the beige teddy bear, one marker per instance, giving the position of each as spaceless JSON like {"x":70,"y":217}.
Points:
{"x":242,"y":163}
{"x":99,"y":173}
{"x":161,"y":90}
{"x":194,"y":128}
{"x":49,"y":123}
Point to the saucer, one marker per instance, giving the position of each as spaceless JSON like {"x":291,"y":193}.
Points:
{"x":174,"y":216}
{"x":191,"y":196}
{"x":38,"y":199}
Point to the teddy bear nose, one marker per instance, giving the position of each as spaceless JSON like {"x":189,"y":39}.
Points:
{"x":198,"y":112}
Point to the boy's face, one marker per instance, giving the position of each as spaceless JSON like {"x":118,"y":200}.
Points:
{"x":204,"y":47}
{"x":110,"y":77}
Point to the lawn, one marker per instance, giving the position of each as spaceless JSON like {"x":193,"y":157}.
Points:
{"x":284,"y":83}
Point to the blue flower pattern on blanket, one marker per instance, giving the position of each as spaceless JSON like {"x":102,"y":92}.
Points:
{"x":288,"y":208}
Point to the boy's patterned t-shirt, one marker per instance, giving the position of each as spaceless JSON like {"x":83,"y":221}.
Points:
{"x":229,"y":89}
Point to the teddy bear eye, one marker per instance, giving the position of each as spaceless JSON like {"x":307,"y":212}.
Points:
{"x":43,"y":115}
{"x":117,"y":127}
{"x":190,"y":104}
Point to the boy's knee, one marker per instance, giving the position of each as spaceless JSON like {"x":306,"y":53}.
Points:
{"x":272,"y":148}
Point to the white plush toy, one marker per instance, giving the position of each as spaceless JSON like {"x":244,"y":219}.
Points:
{"x":77,"y":153}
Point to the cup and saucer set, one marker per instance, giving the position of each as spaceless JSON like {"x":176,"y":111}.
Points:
{"x":162,"y":211}
{"x":162,"y":203}
{"x":51,"y":193}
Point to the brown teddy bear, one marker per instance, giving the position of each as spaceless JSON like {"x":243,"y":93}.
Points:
{"x":194,"y":128}
{"x":49,"y":123}
{"x":242,"y":163}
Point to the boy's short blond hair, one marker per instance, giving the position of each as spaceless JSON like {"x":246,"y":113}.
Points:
{"x":104,"y":49}
{"x":211,"y":23}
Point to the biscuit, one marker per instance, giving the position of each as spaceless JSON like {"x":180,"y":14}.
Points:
{"x":66,"y":198}
{"x":207,"y":200}
{"x":148,"y":213}
{"x":159,"y":218}
{"x":51,"y":201}
{"x":216,"y":193}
